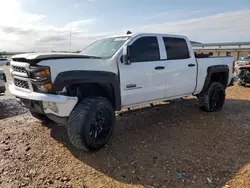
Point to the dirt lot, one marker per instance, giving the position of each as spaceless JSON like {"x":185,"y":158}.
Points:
{"x":176,"y":146}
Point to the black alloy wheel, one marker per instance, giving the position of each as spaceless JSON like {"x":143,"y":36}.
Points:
{"x":101,"y":126}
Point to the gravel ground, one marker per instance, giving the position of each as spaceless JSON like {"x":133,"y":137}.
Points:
{"x":176,"y":146}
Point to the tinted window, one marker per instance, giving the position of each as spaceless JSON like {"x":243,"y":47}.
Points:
{"x":176,"y":48}
{"x":145,"y":49}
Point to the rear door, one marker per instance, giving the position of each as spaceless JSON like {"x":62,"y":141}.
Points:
{"x":144,"y":79}
{"x":181,"y":67}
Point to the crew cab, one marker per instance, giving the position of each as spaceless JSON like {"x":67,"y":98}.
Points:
{"x":84,"y":90}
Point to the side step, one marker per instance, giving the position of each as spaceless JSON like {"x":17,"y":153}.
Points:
{"x":151,"y":107}
{"x":141,"y":109}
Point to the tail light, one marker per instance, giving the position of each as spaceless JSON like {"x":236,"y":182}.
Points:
{"x":247,"y":63}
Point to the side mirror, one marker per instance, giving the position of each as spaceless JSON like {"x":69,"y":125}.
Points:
{"x":126,"y":55}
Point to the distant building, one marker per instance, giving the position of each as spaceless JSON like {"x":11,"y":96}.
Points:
{"x":235,"y":49}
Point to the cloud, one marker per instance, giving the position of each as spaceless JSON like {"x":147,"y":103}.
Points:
{"x":76,"y":5}
{"x":16,"y":30}
{"x":24,"y":31}
{"x":80,"y":24}
{"x":224,"y":27}
{"x":52,"y":38}
{"x":11,"y":14}
{"x":174,"y":14}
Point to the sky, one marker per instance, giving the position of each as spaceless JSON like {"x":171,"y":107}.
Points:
{"x":45,"y":25}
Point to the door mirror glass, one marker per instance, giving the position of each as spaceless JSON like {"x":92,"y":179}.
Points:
{"x":126,"y":55}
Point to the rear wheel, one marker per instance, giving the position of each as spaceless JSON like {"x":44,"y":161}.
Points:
{"x":213,"y":98}
{"x":91,"y":123}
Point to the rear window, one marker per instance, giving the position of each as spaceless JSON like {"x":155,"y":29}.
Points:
{"x":176,"y":48}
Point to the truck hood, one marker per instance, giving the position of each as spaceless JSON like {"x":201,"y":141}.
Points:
{"x":34,"y":58}
{"x":62,"y":62}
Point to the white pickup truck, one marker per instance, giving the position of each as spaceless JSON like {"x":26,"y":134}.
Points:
{"x":84,"y":90}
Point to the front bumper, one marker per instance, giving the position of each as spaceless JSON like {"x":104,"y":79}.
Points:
{"x":58,"y":105}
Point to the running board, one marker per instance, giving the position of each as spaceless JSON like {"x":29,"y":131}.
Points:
{"x":142,"y":109}
{"x":151,"y":107}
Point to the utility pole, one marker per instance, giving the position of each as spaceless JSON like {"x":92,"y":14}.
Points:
{"x":70,"y":33}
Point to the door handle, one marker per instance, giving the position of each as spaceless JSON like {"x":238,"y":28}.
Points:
{"x":191,"y":65}
{"x":159,"y":68}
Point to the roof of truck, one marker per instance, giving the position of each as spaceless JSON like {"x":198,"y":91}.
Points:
{"x":141,"y":33}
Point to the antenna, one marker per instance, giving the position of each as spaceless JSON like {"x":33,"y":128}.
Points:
{"x":129,"y":32}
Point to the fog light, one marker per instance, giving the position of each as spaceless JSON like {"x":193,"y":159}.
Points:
{"x":47,"y":86}
{"x":51,"y":105}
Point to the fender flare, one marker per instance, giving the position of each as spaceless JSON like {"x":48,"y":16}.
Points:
{"x":67,"y":78}
{"x":214,"y":69}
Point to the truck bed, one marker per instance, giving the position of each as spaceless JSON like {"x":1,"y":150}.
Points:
{"x":205,"y":62}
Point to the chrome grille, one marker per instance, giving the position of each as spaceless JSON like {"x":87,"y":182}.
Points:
{"x":19,"y":69}
{"x":21,"y":83}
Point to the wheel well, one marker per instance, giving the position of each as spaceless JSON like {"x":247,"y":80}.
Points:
{"x":221,"y":77}
{"x":92,"y":90}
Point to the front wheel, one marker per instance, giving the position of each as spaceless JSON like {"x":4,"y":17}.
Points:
{"x":91,"y":123}
{"x":213,"y":98}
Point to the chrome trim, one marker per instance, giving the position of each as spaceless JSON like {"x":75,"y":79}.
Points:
{"x":24,"y":79}
{"x":20,"y":76}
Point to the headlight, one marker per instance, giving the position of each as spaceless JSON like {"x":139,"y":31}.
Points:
{"x":41,"y":73}
{"x":41,"y":78}
{"x":50,"y":105}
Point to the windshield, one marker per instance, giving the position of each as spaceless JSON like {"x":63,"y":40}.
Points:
{"x":245,"y":58}
{"x":105,"y":48}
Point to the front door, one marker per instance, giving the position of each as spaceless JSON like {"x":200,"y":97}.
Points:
{"x":143,"y":80}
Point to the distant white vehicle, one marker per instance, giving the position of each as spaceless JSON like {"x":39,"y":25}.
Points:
{"x":3,"y":60}
{"x":2,"y":81}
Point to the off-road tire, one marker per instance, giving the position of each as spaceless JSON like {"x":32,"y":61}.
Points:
{"x":206,"y":97}
{"x":41,"y":117}
{"x":240,"y":83}
{"x":82,"y":118}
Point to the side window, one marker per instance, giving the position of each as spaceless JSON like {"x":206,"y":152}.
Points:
{"x":176,"y":48}
{"x":145,"y":49}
